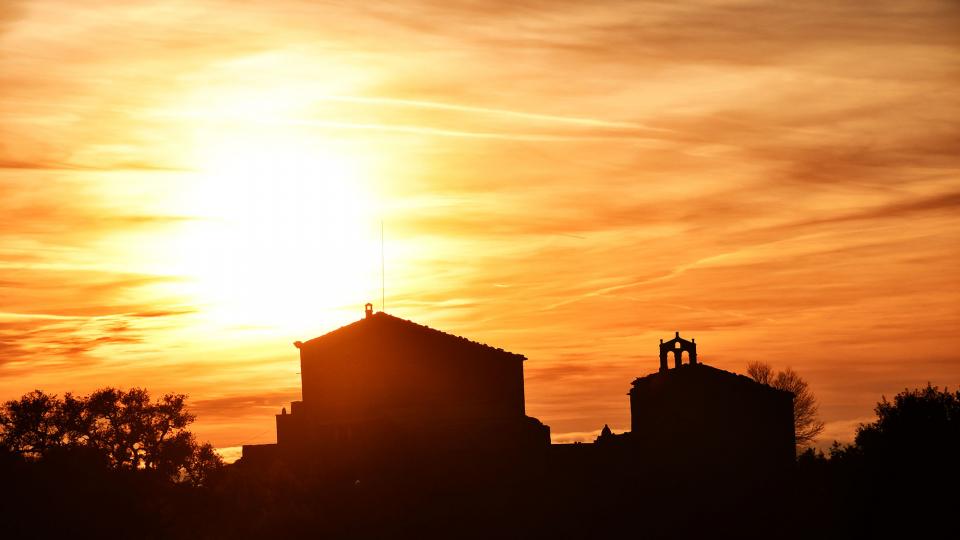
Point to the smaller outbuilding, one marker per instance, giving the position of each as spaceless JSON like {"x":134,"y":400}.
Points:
{"x":698,"y":414}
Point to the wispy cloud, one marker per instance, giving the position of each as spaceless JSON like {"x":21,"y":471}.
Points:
{"x":240,"y":405}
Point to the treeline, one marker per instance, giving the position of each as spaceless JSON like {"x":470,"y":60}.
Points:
{"x":116,"y":463}
{"x":124,"y":430}
{"x":899,"y":477}
{"x":113,"y":463}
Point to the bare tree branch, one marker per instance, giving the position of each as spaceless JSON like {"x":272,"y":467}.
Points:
{"x":806,"y":424}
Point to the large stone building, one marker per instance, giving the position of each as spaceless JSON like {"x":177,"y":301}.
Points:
{"x":384,"y":387}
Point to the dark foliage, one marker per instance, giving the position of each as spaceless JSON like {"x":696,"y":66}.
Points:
{"x":899,"y":475}
{"x":113,"y":463}
{"x":920,"y":427}
{"x":124,"y":430}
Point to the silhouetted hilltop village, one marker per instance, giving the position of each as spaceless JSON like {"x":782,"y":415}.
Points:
{"x":405,"y":431}
{"x":387,"y":394}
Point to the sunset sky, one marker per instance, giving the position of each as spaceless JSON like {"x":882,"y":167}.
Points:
{"x":188,"y":187}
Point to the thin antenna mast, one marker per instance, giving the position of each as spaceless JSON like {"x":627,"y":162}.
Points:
{"x":383,"y":273}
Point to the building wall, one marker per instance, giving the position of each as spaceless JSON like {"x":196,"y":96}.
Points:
{"x":407,"y":376}
{"x":696,"y":414}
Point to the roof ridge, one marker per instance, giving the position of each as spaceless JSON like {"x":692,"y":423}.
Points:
{"x":421,"y":327}
{"x":461,"y":338}
{"x":739,"y":376}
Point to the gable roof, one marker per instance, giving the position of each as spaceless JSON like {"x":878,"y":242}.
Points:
{"x":701,"y":370}
{"x":382,"y":321}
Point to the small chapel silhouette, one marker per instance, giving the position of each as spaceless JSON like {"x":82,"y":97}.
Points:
{"x":387,"y":392}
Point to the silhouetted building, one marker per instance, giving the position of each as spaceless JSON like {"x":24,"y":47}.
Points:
{"x":399,"y":421}
{"x":385,"y":392}
{"x":386,"y":389}
{"x":689,"y":420}
{"x":695,"y":413}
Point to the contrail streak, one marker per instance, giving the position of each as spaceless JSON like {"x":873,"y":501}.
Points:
{"x":414,"y":103}
{"x":424,"y":130}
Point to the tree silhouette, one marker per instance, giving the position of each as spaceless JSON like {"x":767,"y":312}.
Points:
{"x":919,"y":426}
{"x":807,"y":426}
{"x":128,"y":429}
{"x":897,"y":476}
{"x":37,"y":423}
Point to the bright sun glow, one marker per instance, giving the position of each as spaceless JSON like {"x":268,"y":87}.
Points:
{"x":286,"y":230}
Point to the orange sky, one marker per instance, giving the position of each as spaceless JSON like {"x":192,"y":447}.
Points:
{"x":188,"y":187}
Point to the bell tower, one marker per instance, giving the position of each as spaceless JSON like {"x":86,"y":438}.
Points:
{"x":677,"y":346}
